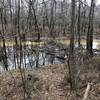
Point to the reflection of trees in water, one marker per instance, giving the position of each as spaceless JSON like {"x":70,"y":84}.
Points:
{"x":31,"y":57}
{"x":51,"y":59}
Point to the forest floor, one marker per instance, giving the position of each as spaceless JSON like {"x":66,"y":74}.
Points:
{"x":46,"y":83}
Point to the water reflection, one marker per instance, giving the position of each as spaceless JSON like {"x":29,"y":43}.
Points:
{"x":33,"y":58}
{"x":30,"y":60}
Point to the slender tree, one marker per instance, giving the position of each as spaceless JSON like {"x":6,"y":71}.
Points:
{"x":72,"y":27}
{"x":71,"y":60}
{"x":90,"y":29}
{"x":79,"y":22}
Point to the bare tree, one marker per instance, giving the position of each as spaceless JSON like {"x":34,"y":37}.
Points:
{"x":71,"y":60}
{"x":72,"y":27}
{"x":79,"y":22}
{"x":90,"y":29}
{"x":35,"y":19}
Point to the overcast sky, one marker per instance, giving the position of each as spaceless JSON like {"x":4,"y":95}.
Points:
{"x":89,"y":1}
{"x":97,"y":1}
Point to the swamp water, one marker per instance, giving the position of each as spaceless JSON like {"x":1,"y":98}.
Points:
{"x":32,"y":59}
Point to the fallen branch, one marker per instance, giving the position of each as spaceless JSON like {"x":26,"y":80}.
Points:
{"x":87,"y":91}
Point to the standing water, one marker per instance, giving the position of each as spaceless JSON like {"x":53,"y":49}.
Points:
{"x":31,"y":58}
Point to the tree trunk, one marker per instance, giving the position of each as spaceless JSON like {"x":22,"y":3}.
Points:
{"x":72,"y":27}
{"x":78,"y":26}
{"x":90,"y":29}
{"x":71,"y":62}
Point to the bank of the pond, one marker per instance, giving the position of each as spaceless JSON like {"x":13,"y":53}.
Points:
{"x":46,"y":83}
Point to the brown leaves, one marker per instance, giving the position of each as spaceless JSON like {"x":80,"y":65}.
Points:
{"x":45,"y":84}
